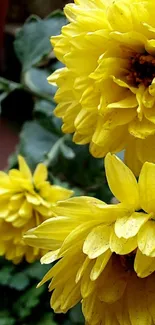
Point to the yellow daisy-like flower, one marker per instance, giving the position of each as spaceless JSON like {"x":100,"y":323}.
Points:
{"x":25,"y":201}
{"x":106,"y":94}
{"x":105,"y":253}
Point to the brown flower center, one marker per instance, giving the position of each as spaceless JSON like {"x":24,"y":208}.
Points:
{"x":142,"y":69}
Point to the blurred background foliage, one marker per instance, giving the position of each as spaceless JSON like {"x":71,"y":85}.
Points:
{"x":27,"y":101}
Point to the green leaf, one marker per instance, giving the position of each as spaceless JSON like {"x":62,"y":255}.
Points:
{"x":32,"y":41}
{"x":13,"y":159}
{"x":24,"y":305}
{"x":37,"y":270}
{"x":76,"y":315}
{"x":58,"y":148}
{"x":67,"y":151}
{"x":44,"y":113}
{"x":6,"y":319}
{"x":47,"y":320}
{"x":8,"y":85}
{"x":35,"y":80}
{"x":5,"y":274}
{"x":54,"y":152}
{"x":35,"y":143}
{"x":19,"y":281}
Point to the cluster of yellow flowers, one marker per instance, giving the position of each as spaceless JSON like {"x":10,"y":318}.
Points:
{"x":110,"y":250}
{"x":26,"y":200}
{"x":106,"y":96}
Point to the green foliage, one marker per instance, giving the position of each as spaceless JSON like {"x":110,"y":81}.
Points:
{"x":35,"y":142}
{"x":69,"y":165}
{"x":6,"y":319}
{"x":32,"y":41}
{"x":6,"y":87}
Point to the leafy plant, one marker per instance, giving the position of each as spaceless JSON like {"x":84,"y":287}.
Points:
{"x":70,"y":165}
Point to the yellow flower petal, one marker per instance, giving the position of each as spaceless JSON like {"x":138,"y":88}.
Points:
{"x":114,"y":283}
{"x":87,"y":285}
{"x":127,"y":227}
{"x":119,"y":16}
{"x":24,"y":169}
{"x":58,"y":193}
{"x":83,"y":118}
{"x":44,"y":211}
{"x":131,"y":158}
{"x":77,"y":236}
{"x":102,"y":136}
{"x":143,"y":265}
{"x":146,"y":149}
{"x":141,"y":129}
{"x":25,"y":210}
{"x":33,"y":199}
{"x":128,"y":114}
{"x":50,"y":257}
{"x":137,"y":302}
{"x":60,"y":272}
{"x":18,"y":222}
{"x":82,"y":207}
{"x":122,"y":246}
{"x":82,"y":269}
{"x":50,"y":228}
{"x":135,"y":41}
{"x":2,"y":248}
{"x":13,"y":217}
{"x":100,"y":264}
{"x":15,"y":204}
{"x":146,"y":187}
{"x":97,"y":242}
{"x":121,"y":181}
{"x":146,"y":239}
{"x":55,"y":301}
{"x":4,"y":211}
{"x":91,"y":307}
{"x":40,"y":175}
{"x":121,"y":311}
{"x":44,"y":243}
{"x":70,"y":295}
{"x":110,"y":212}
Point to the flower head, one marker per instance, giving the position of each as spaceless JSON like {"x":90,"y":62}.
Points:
{"x":105,"y":253}
{"x":106,"y":91}
{"x":25,"y":201}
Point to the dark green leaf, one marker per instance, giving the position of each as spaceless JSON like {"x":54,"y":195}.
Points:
{"x":8,"y":85}
{"x":76,"y":315}
{"x":19,"y":281}
{"x":67,"y":151}
{"x":36,"y":81}
{"x":47,"y":320}
{"x":6,"y":319}
{"x":13,"y":160}
{"x":28,"y":301}
{"x":43,"y":111}
{"x":37,"y":270}
{"x":35,"y":143}
{"x":32,"y":41}
{"x":5,"y":274}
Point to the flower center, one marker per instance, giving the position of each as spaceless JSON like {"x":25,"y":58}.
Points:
{"x":142,"y":69}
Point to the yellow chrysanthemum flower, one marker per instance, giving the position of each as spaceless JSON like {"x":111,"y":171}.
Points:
{"x":25,"y":201}
{"x":105,"y":253}
{"x":106,"y":94}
